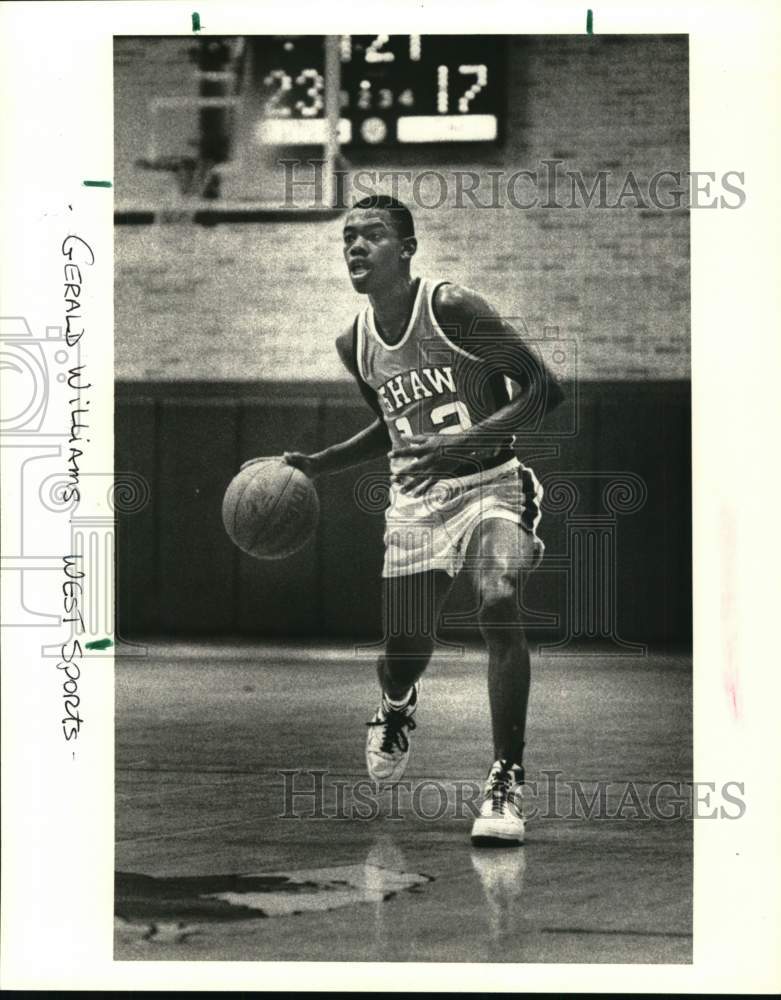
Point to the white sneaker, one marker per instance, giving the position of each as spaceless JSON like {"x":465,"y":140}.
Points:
{"x":501,"y":821}
{"x":387,"y":742}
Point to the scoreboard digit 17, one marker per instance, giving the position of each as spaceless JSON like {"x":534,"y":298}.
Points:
{"x":393,"y":89}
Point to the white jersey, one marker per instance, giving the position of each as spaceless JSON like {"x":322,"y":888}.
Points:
{"x":426,"y":383}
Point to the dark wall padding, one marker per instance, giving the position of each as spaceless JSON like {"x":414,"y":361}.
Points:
{"x":179,"y":574}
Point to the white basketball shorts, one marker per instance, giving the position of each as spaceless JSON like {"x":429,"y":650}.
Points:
{"x":432,"y":531}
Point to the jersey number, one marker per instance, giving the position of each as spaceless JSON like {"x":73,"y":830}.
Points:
{"x":438,"y":417}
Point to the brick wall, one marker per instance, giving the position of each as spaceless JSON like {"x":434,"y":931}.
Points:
{"x":264,"y":301}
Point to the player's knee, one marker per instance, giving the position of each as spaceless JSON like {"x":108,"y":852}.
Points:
{"x":499,"y":594}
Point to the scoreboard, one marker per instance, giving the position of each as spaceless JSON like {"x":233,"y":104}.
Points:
{"x":393,"y":89}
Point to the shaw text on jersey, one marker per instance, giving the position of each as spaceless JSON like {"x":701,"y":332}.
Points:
{"x":416,"y":384}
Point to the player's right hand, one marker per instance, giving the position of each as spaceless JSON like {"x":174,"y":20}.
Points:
{"x":305,"y":463}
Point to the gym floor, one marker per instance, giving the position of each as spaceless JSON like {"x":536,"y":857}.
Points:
{"x":246,"y":828}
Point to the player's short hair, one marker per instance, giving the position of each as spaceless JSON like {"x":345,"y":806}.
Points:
{"x":401,"y":217}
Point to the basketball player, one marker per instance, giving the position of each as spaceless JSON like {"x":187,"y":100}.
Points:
{"x":432,"y":359}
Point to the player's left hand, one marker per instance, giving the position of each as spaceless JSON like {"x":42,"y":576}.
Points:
{"x":417,"y":463}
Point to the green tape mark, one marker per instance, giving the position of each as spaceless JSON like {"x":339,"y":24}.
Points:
{"x":590,"y":22}
{"x":196,"y":21}
{"x":96,"y":184}
{"x":100,"y":644}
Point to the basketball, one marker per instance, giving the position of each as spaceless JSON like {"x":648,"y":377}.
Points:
{"x":270,"y":509}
